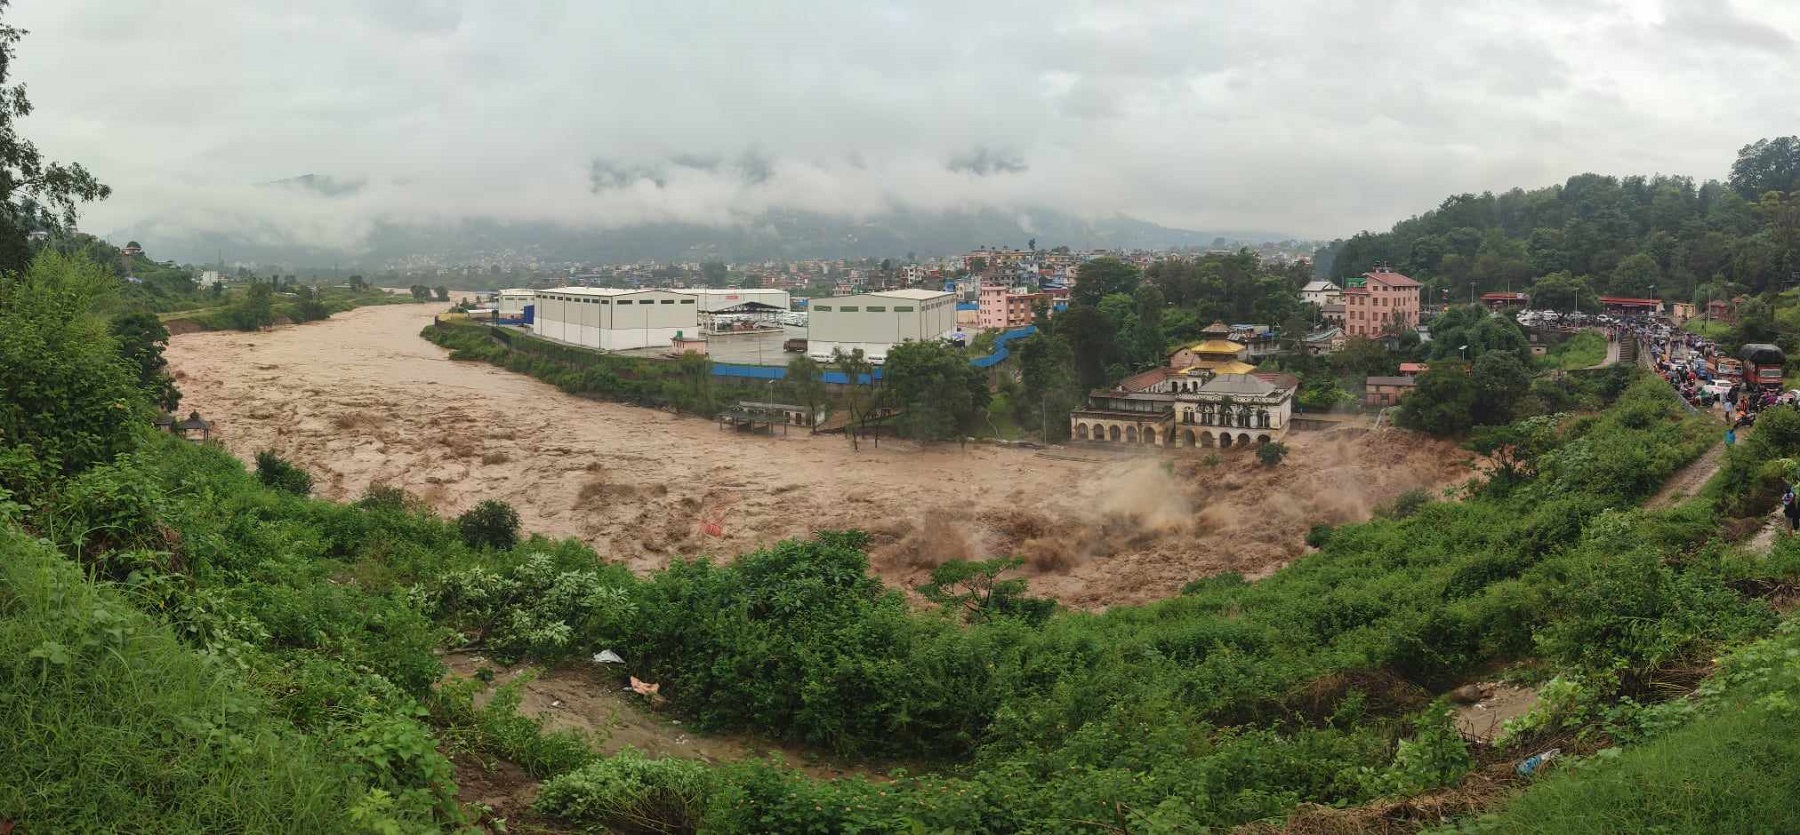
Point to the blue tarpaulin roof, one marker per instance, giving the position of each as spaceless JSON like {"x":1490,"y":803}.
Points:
{"x":967,"y":306}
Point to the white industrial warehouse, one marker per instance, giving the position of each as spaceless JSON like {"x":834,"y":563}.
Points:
{"x":714,"y":300}
{"x":614,"y":319}
{"x":511,"y":303}
{"x":876,"y":322}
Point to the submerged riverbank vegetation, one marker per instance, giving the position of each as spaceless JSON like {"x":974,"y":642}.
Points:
{"x":193,"y":645}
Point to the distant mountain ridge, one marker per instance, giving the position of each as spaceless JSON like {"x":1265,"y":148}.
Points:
{"x":772,"y":236}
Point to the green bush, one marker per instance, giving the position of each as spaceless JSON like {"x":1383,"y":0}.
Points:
{"x":490,"y":524}
{"x":277,"y":473}
{"x":126,"y":730}
{"x":533,"y":609}
{"x":1270,"y":454}
{"x":630,"y":793}
{"x":68,"y":400}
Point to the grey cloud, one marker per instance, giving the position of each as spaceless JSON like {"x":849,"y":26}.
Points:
{"x":984,"y":161}
{"x":755,"y":167}
{"x":1313,"y":117}
{"x":699,"y":162}
{"x":607,"y":175}
{"x":1719,"y":23}
{"x":323,"y":185}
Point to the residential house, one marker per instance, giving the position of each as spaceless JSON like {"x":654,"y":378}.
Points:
{"x":1321,"y":293}
{"x":1381,"y":392}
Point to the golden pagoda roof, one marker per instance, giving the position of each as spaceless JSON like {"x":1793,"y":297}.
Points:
{"x":1216,"y":346}
{"x":1226,"y":367}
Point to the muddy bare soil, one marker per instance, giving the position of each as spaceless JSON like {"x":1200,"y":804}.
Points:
{"x":361,"y":399}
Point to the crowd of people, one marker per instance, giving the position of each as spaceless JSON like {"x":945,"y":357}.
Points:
{"x":1705,"y":377}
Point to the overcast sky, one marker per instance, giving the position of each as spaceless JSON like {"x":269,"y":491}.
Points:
{"x":1311,"y":118}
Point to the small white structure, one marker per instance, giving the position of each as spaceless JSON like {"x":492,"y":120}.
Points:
{"x":511,"y":303}
{"x":876,"y":322}
{"x":614,"y":319}
{"x":712,"y":300}
{"x":1321,"y":293}
{"x":208,"y":278}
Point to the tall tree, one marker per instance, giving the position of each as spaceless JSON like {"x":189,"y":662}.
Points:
{"x":1048,"y":390}
{"x":1767,"y":165}
{"x":68,"y":400}
{"x":855,"y":366}
{"x":1100,"y":278}
{"x":939,"y":393}
{"x":141,"y":339}
{"x":804,"y":384}
{"x":35,"y":194}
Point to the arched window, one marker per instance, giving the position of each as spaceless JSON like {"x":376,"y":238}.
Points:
{"x":1081,"y":431}
{"x":1131,"y":434}
{"x":1112,"y":432}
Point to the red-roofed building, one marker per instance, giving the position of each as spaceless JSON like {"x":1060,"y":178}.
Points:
{"x":1502,"y":301}
{"x":1413,"y":369}
{"x":1148,"y":380}
{"x":1381,"y":302}
{"x":1626,"y":304}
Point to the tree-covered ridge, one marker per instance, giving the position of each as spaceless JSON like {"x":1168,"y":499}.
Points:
{"x":1623,"y":236}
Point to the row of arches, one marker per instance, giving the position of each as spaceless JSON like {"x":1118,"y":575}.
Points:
{"x":1243,"y":416}
{"x":1187,"y":437}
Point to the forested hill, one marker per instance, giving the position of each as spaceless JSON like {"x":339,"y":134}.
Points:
{"x":1607,"y":235}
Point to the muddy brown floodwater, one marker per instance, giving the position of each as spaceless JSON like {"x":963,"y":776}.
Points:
{"x":361,"y":399}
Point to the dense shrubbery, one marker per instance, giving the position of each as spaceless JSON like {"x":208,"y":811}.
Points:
{"x":490,"y":524}
{"x":68,"y":400}
{"x":277,"y":473}
{"x":1229,"y":704}
{"x":686,"y":384}
{"x":1226,"y":705}
{"x":124,"y":729}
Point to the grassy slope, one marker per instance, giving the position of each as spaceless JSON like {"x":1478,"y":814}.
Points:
{"x":109,"y":724}
{"x":1583,"y":350}
{"x":1730,"y":764}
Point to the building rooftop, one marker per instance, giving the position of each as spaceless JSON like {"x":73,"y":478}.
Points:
{"x":1239,"y":384}
{"x":1216,"y":346}
{"x":1143,"y":381}
{"x":1392,"y":381}
{"x":604,"y":291}
{"x":1227,"y":367}
{"x":1319,"y":286}
{"x":911,"y":293}
{"x":1390,"y":278}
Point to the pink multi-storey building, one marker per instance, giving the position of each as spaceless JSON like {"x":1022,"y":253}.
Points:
{"x":1003,"y":309}
{"x":1385,"y":302}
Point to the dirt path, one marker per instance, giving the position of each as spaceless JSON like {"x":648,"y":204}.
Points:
{"x":361,"y":399}
{"x":593,"y":700}
{"x":1688,"y":481}
{"x":1612,"y":353}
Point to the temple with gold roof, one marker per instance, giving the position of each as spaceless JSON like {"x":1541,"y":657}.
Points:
{"x":1215,"y":354}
